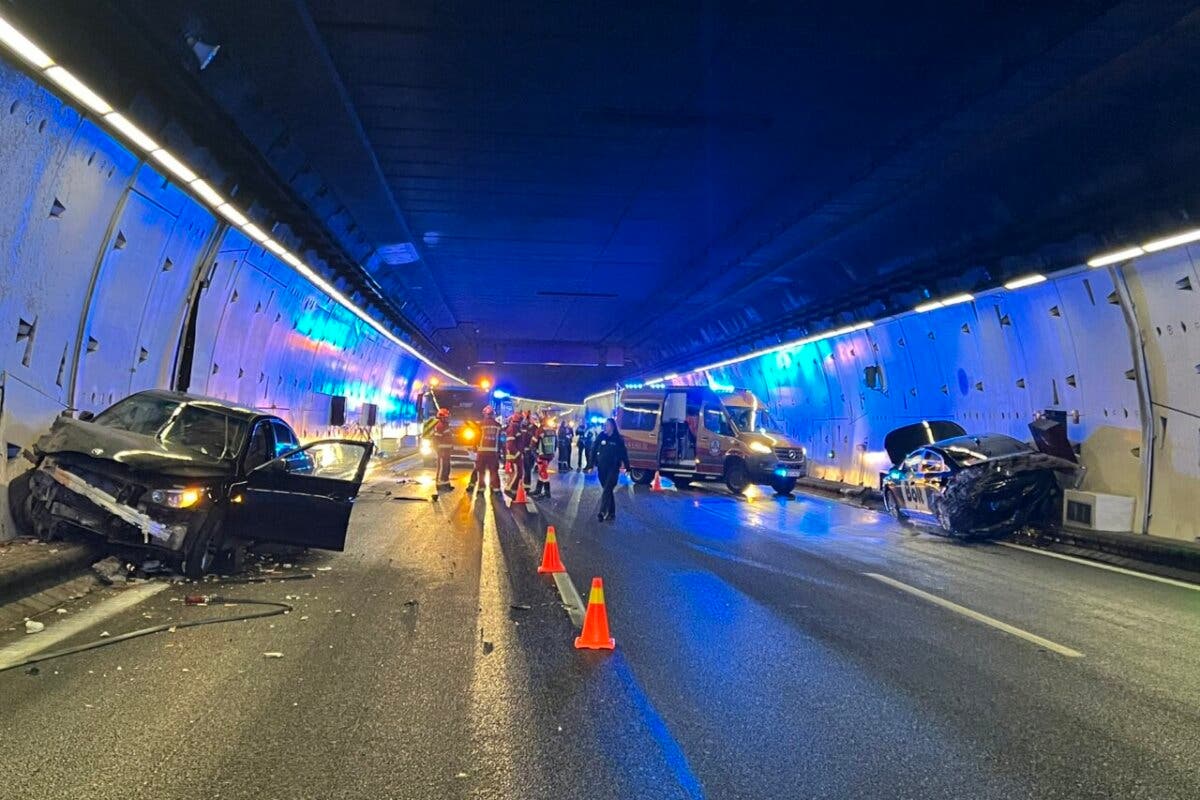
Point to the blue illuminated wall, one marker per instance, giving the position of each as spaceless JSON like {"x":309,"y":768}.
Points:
{"x":1062,"y":345}
{"x":100,"y":261}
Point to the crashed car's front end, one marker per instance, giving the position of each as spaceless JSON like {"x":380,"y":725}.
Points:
{"x":1003,"y":494}
{"x":129,"y":489}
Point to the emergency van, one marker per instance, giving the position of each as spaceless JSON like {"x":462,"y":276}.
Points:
{"x":694,"y":433}
{"x":466,"y":409}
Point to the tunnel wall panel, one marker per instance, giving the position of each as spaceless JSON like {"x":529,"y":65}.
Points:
{"x":99,"y":249}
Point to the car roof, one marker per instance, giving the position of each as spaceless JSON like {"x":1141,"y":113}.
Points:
{"x":981,"y":440}
{"x":185,"y":397}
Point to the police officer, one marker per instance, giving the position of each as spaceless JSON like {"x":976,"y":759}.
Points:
{"x":564,"y":446}
{"x":443,"y":442}
{"x":580,"y":444}
{"x":487,"y":454}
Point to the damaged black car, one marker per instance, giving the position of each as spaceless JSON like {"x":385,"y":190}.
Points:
{"x":190,"y":478}
{"x":974,"y":486}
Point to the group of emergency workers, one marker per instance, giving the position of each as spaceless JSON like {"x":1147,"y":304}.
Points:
{"x":530,"y":445}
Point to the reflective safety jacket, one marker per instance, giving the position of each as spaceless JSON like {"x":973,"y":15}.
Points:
{"x":443,"y":436}
{"x":489,"y":435}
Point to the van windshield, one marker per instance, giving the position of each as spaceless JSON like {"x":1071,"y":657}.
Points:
{"x":752,"y":420}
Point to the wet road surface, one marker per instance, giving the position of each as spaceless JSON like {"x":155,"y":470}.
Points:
{"x":765,"y":648}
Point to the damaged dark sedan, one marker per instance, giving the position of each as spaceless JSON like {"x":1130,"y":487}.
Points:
{"x":972,"y":486}
{"x":190,"y":477}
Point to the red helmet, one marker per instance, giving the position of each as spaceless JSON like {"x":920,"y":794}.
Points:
{"x":443,"y":413}
{"x":487,"y":411}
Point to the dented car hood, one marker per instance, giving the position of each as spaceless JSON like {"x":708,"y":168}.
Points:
{"x":134,"y":451}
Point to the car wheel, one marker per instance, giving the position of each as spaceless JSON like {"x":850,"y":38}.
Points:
{"x":642,"y":476}
{"x":202,"y":548}
{"x":737,"y":477}
{"x":944,"y":522}
{"x":893,"y":507}
{"x":681,"y":482}
{"x":20,"y":503}
{"x":783,"y":486}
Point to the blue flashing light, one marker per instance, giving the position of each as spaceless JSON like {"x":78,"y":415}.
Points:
{"x":596,"y":420}
{"x":500,"y":394}
{"x":895,"y":474}
{"x":781,"y":472}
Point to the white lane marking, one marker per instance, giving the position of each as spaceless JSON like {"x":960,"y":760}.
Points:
{"x":570,"y":598}
{"x":69,"y":626}
{"x":1109,"y":567}
{"x":975,"y":615}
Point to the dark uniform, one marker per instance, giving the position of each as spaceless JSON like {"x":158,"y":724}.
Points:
{"x":609,"y":455}
{"x":564,"y":447}
{"x":581,"y":444}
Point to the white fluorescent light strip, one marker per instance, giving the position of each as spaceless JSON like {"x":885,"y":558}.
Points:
{"x":254,"y":232}
{"x":130,"y":131}
{"x":1172,"y":241}
{"x":1021,"y":283}
{"x":207,"y":193}
{"x":930,"y":306}
{"x":16,"y":41}
{"x":232,"y":214}
{"x":174,"y":165}
{"x":274,"y":246}
{"x":1113,"y":258}
{"x":76,"y":88}
{"x":955,"y":299}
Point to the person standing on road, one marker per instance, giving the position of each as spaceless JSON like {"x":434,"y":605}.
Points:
{"x":515,"y":456}
{"x":580,"y":444}
{"x":443,"y":442}
{"x":487,"y":454}
{"x":589,"y":449}
{"x":564,"y":446}
{"x":609,"y":456}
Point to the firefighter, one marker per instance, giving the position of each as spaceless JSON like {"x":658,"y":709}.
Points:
{"x":546,"y":448}
{"x":487,"y":455}
{"x":515,"y":456}
{"x":443,"y":442}
{"x":533,"y":438}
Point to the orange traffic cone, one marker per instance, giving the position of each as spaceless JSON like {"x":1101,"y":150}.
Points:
{"x":595,"y":623}
{"x":520,"y":498}
{"x":551,"y":561}
{"x":656,"y":484}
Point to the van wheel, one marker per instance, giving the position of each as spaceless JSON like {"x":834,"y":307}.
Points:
{"x":737,"y":477}
{"x":641,"y":476}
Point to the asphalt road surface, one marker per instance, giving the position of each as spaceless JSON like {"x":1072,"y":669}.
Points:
{"x":766,"y":648}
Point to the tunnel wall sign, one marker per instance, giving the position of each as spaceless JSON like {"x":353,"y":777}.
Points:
{"x":102,"y":260}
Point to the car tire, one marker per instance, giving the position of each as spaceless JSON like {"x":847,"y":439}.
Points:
{"x":892,"y":506}
{"x":681,"y":482}
{"x":737,"y":477}
{"x":783,"y":486}
{"x":20,"y":503}
{"x":202,"y":547}
{"x":641,"y":476}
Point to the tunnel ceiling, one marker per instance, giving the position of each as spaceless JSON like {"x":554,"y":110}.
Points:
{"x":639,"y":187}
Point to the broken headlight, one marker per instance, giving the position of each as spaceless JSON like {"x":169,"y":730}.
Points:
{"x":176,"y":498}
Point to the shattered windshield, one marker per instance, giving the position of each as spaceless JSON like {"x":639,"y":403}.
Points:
{"x":205,"y":428}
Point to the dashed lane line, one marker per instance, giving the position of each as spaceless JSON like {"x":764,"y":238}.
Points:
{"x":570,"y":598}
{"x":975,"y":615}
{"x":1107,"y":567}
{"x":76,"y":623}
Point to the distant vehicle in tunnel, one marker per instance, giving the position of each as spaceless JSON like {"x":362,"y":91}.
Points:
{"x":971,"y":485}
{"x":189,"y":476}
{"x":693,"y":433}
{"x":466,"y":410}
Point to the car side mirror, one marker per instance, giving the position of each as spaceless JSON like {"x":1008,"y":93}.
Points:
{"x":275,"y":465}
{"x":86,"y":416}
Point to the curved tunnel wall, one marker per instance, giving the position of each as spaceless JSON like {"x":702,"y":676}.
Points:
{"x":993,"y":364}
{"x":101,"y":260}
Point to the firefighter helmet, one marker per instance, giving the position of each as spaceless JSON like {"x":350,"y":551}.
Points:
{"x":443,"y":413}
{"x":487,"y":411}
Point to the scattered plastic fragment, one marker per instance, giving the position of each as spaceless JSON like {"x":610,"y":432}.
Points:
{"x":104,"y":634}
{"x":273,"y":655}
{"x":520,"y":606}
{"x":60,"y":611}
{"x":324,"y":569}
{"x":111,"y":571}
{"x":461,"y":775}
{"x":33,"y":626}
{"x":304,"y":617}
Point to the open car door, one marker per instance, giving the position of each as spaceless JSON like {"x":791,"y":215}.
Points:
{"x":303,"y":497}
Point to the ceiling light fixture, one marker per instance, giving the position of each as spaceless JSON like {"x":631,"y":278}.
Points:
{"x":207,"y":193}
{"x":1119,"y":255}
{"x":76,"y":88}
{"x":1028,"y":280}
{"x":1172,"y":241}
{"x":232,"y":214}
{"x":130,"y":131}
{"x":174,"y":165}
{"x":16,"y":41}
